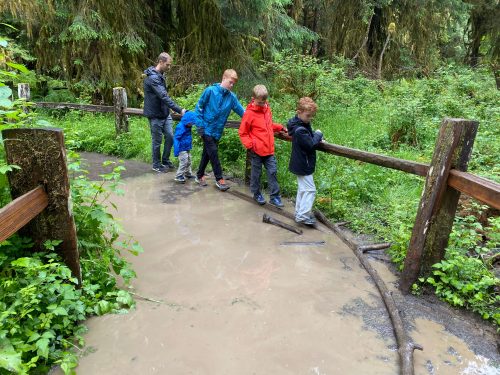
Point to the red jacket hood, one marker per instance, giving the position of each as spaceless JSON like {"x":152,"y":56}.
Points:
{"x":258,"y":108}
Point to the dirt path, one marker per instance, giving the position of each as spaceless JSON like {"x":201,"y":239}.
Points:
{"x":236,"y":300}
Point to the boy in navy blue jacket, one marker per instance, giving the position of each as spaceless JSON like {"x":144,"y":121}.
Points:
{"x":303,"y":158}
{"x":183,"y":142}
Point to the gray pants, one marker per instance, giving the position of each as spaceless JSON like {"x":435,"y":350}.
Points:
{"x":184,"y":164}
{"x":306,"y":192}
{"x":269,"y":163}
{"x":161,"y":128}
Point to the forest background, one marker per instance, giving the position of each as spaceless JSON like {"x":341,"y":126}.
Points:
{"x":384,"y":73}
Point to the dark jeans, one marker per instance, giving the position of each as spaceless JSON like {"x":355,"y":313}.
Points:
{"x":161,"y":128}
{"x":210,"y":153}
{"x":269,"y":163}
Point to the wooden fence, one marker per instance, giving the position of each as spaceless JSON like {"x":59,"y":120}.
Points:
{"x":446,"y":178}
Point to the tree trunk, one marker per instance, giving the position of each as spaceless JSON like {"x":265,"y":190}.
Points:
{"x":379,"y":68}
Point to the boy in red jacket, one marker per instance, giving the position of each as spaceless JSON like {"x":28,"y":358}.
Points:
{"x":257,"y":135}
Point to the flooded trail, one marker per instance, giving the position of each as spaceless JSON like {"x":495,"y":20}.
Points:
{"x":236,"y":300}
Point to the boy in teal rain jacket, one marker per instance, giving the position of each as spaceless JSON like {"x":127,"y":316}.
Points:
{"x":212,"y":110}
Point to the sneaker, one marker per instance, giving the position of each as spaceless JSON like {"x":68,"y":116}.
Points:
{"x":201,"y":181}
{"x":180,"y":179}
{"x":310,"y":221}
{"x":160,"y":169}
{"x":189,"y":176}
{"x":221,"y":184}
{"x":276,"y":201}
{"x":259,"y":198}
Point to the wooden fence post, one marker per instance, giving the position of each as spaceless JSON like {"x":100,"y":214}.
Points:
{"x":41,"y":155}
{"x":120,"y":103}
{"x":439,"y":201}
{"x":248,"y":167}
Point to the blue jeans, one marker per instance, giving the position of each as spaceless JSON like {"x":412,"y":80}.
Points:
{"x":161,"y":128}
{"x":269,"y":163}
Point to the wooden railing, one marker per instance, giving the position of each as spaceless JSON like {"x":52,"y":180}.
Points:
{"x":21,"y":211}
{"x":446,"y":177}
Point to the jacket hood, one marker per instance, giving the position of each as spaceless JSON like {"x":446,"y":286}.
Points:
{"x":294,"y":124}
{"x":257,"y":108}
{"x":151,"y":71}
{"x":222,"y":90}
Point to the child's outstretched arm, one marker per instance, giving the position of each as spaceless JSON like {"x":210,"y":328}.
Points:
{"x":279,"y":128}
{"x":237,"y":107}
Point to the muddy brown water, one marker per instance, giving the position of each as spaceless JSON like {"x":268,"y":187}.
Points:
{"x":232,"y":299}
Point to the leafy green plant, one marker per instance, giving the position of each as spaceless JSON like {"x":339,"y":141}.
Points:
{"x":465,"y":281}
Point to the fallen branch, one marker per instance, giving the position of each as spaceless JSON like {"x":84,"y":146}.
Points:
{"x":146,"y":298}
{"x":405,"y":344}
{"x":270,"y":220}
{"x":171,"y":304}
{"x":306,"y":243}
{"x":377,"y":246}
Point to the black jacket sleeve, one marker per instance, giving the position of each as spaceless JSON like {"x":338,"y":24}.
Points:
{"x":160,"y":90}
{"x":306,"y":142}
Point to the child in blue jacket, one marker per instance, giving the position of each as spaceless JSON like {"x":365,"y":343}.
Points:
{"x":183,"y":142}
{"x":212,"y":110}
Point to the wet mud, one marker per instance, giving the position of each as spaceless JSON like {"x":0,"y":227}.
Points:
{"x":231,"y":298}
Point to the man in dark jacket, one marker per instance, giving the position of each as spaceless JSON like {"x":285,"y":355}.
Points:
{"x":303,"y":158}
{"x":157,"y":106}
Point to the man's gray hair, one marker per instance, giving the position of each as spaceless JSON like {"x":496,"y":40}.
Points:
{"x":164,"y":57}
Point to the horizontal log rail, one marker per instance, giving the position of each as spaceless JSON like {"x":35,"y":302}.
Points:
{"x":483,"y":190}
{"x":480,"y":188}
{"x":21,"y":211}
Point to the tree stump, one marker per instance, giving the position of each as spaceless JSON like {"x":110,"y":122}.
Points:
{"x":120,"y":103}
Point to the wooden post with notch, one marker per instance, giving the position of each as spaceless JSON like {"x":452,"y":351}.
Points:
{"x":41,"y":155}
{"x":120,"y":103}
{"x":439,"y":201}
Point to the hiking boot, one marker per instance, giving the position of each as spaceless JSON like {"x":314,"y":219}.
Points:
{"x":159,"y":169}
{"x":259,"y":198}
{"x":221,"y":184}
{"x":180,"y":179}
{"x":310,"y":221}
{"x":201,"y":181}
{"x":276,"y":201}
